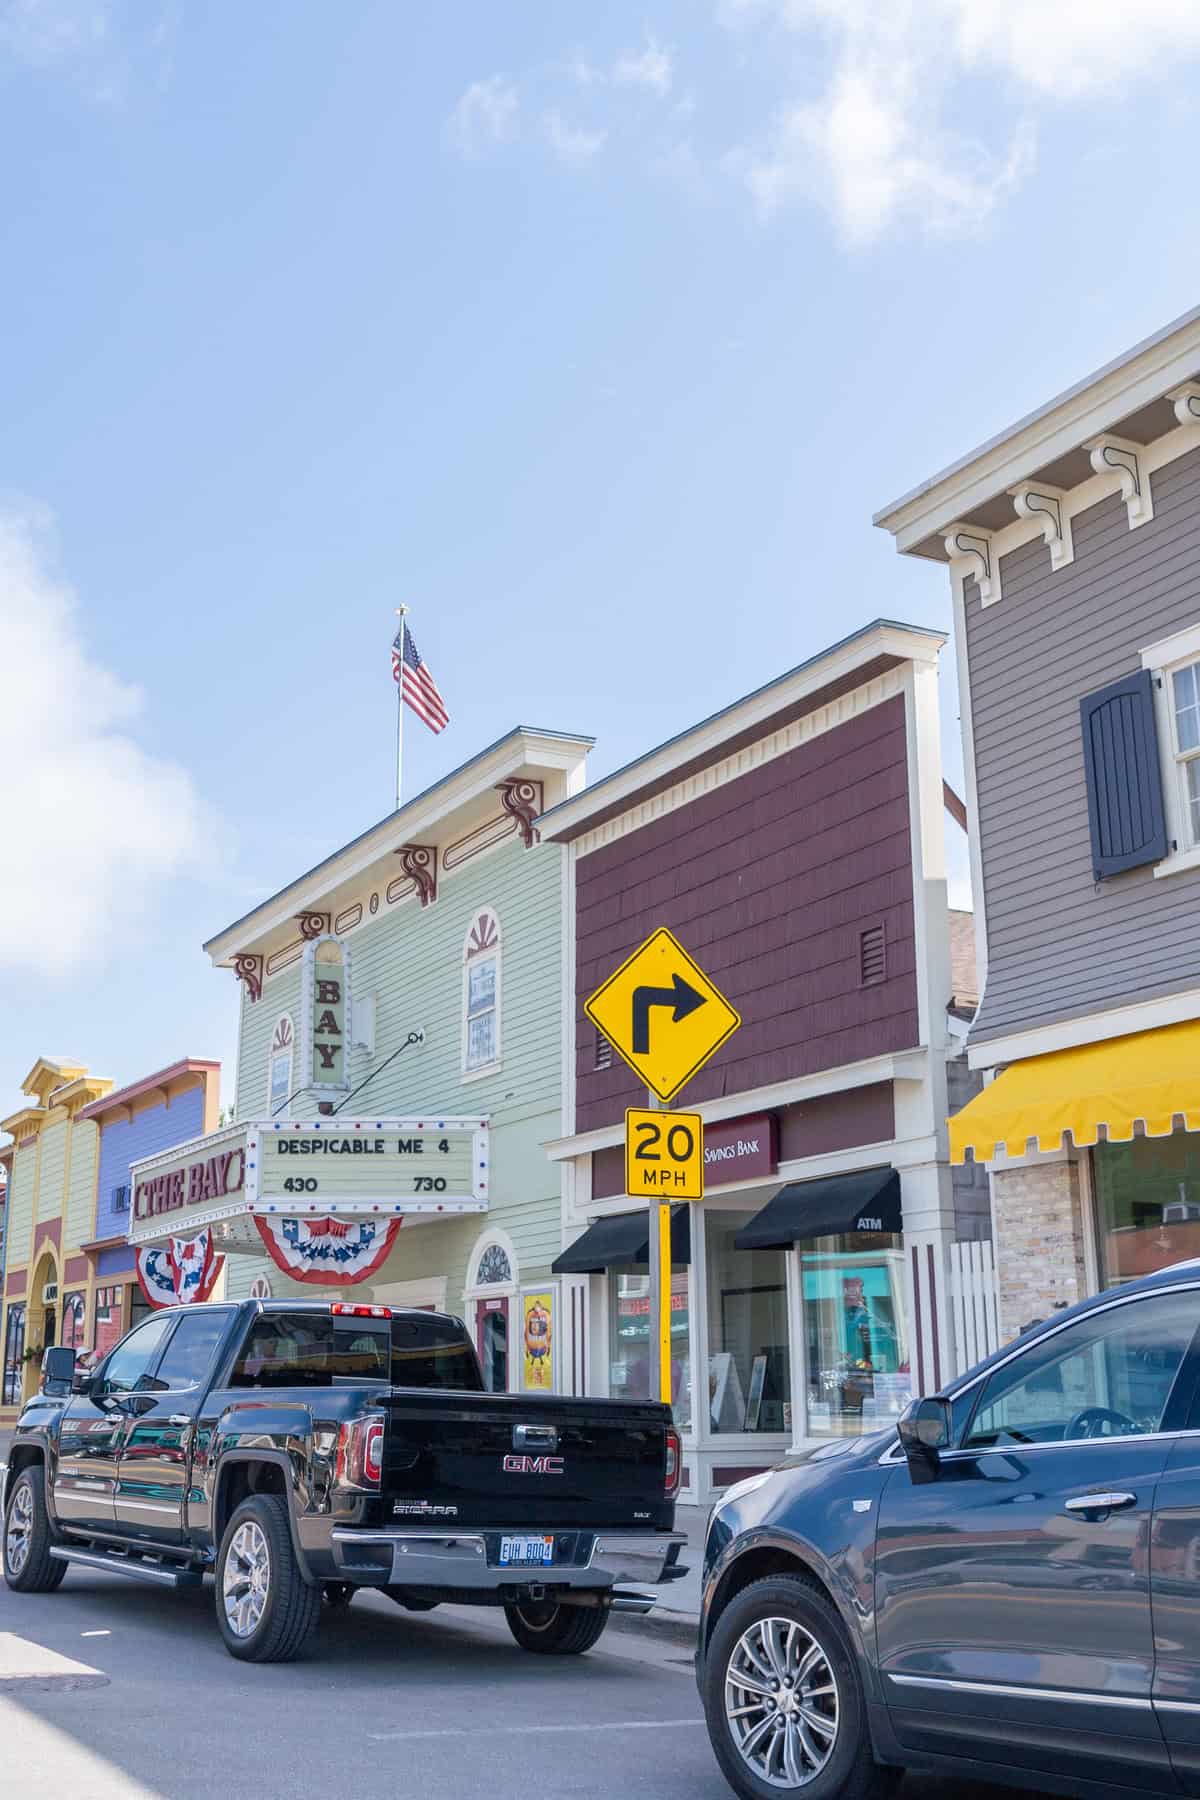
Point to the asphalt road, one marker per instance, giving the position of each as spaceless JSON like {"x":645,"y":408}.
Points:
{"x":109,"y":1690}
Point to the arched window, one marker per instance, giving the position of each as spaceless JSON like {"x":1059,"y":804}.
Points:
{"x":493,"y":1266}
{"x":279,"y":1066}
{"x":72,"y":1322}
{"x":481,"y":994}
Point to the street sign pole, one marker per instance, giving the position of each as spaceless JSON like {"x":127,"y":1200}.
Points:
{"x":660,"y":1282}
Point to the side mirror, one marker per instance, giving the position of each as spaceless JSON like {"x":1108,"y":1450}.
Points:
{"x":82,"y":1381}
{"x":58,"y":1370}
{"x":925,"y":1430}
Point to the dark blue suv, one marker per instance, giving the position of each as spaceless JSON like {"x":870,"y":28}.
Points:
{"x":1007,"y":1591}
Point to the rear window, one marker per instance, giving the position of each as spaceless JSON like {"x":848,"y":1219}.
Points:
{"x":433,"y":1353}
{"x":319,"y":1350}
{"x":313,"y":1350}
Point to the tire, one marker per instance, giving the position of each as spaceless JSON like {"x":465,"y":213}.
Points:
{"x":266,"y":1611}
{"x":549,"y":1630}
{"x":29,"y":1567}
{"x":823,"y":1763}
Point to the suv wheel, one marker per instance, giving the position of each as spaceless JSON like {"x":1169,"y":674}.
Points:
{"x":29,"y":1567}
{"x":266,"y":1611}
{"x":550,"y":1630}
{"x":784,"y":1700}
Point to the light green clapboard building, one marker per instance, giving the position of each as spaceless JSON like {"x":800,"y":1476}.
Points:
{"x":399,"y":1070}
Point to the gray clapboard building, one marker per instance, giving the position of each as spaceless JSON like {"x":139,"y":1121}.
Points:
{"x":1071,"y":542}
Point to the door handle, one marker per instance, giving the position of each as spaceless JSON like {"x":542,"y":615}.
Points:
{"x":1088,"y":1503}
{"x":182,"y":1419}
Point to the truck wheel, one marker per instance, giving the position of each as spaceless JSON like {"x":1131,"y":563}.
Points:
{"x":784,"y":1701}
{"x":550,"y":1630}
{"x":29,"y":1567}
{"x":266,"y":1611}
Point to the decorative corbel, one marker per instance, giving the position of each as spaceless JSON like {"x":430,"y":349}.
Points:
{"x":1118,"y":456}
{"x":249,"y":969}
{"x":1186,"y":401}
{"x":313,"y":925}
{"x":522,"y":801}
{"x":419,"y":862}
{"x":975,"y":554}
{"x":1046,"y":506}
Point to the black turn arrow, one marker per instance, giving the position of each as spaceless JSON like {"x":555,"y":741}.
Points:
{"x":682,"y":998}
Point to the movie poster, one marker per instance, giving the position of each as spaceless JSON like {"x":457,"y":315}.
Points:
{"x":537,"y":1318}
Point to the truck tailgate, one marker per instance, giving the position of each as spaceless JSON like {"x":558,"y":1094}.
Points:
{"x":505,"y":1459}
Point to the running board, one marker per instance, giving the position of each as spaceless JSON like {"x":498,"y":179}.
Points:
{"x":127,"y":1565}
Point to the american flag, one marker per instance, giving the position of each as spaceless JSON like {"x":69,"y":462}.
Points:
{"x":417,"y":685}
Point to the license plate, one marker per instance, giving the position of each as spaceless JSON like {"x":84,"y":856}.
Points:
{"x":527,"y":1552}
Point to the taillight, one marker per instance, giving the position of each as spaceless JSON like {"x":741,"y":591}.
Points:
{"x":341,"y":1310}
{"x":674,"y":1463}
{"x":359,"y":1461}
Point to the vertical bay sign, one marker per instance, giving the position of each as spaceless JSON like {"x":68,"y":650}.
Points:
{"x":325,"y":1006}
{"x":665,"y":1018}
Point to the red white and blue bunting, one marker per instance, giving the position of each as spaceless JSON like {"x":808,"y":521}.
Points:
{"x":328,"y":1252}
{"x":181,"y":1273}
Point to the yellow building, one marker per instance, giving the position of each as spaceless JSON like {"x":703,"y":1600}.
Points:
{"x":50,"y":1212}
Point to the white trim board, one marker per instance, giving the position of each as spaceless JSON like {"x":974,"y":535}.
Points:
{"x":778,"y":743}
{"x":1144,"y":374}
{"x":901,"y":1065}
{"x":884,"y":638}
{"x":1092,"y":1028}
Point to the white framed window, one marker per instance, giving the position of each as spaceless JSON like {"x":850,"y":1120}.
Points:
{"x":279,"y":1066}
{"x":481,"y":995}
{"x":1175,"y":664}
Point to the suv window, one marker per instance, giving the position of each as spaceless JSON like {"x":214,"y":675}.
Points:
{"x":1107,"y":1375}
{"x":188,"y":1356}
{"x":130,"y":1363}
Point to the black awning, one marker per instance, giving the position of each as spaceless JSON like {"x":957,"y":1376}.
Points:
{"x":832,"y":1207}
{"x":621,"y":1240}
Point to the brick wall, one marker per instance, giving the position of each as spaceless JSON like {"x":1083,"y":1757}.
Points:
{"x":1039,"y":1242}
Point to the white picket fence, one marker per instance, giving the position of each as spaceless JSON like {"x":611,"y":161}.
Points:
{"x":973,"y":1302}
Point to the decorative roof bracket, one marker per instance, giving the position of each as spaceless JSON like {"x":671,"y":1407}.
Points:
{"x":973,"y":556}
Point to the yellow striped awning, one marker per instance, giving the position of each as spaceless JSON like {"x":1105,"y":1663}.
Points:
{"x":1150,"y":1077}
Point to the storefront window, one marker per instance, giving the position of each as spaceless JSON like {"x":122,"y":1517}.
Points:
{"x":1147,"y":1204}
{"x":749,"y":1373}
{"x":629,"y":1339}
{"x":108,"y":1327}
{"x":858,"y":1370}
{"x":14,"y":1349}
{"x":72,"y":1325}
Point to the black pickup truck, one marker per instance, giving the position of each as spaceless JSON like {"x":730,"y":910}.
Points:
{"x":298,"y":1450}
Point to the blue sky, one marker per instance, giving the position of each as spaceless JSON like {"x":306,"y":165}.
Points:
{"x":594,"y":334}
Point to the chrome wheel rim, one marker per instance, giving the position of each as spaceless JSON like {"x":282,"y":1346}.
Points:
{"x":19,"y":1535}
{"x":782,"y":1703}
{"x":246,"y":1579}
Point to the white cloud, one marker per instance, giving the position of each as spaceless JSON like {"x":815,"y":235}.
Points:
{"x":483,"y":116}
{"x":94,"y":823}
{"x":872,"y":145}
{"x":572,"y":143}
{"x":649,"y":68}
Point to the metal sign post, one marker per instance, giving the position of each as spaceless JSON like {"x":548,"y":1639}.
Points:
{"x":660,"y":1283}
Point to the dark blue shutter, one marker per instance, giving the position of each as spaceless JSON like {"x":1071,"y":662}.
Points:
{"x":1124,"y":775}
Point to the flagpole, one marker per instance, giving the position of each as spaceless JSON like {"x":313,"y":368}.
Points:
{"x":400,"y":614}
